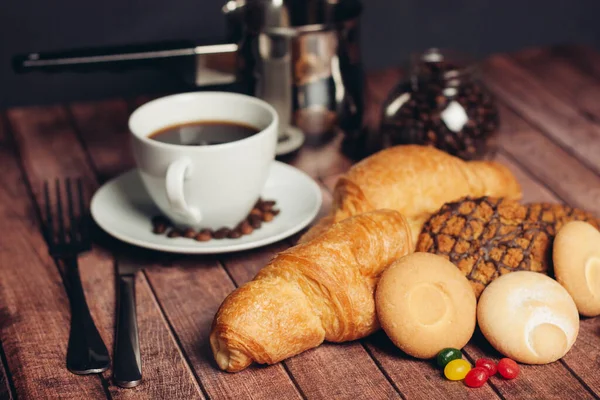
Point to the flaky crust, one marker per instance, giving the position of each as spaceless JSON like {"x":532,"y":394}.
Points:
{"x":320,"y":290}
{"x":416,"y":181}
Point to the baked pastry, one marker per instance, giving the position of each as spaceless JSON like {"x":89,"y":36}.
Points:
{"x":528,"y":317}
{"x":488,"y":237}
{"x":425,"y":304}
{"x":416,"y":181}
{"x":316,"y":291}
{"x":557,"y":215}
{"x":576,"y":256}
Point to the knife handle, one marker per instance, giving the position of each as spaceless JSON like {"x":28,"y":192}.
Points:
{"x":127,"y":359}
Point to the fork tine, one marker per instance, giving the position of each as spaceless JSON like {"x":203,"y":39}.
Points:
{"x":59,"y":215}
{"x":83,"y":227}
{"x":72,"y":221}
{"x":48,"y":223}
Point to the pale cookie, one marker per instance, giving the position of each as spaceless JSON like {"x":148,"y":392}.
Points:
{"x":528,"y":317}
{"x":424,"y":304}
{"x":576,"y":256}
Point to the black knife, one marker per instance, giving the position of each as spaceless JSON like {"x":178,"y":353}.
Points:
{"x":127,"y":363}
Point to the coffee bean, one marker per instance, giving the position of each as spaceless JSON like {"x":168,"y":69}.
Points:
{"x":256,"y":211}
{"x":160,"y":220}
{"x":266,"y":205}
{"x":221,"y":233}
{"x":189,"y":233}
{"x":268,"y":216}
{"x":174,"y":233}
{"x":419,"y":120}
{"x":234,"y":234}
{"x":246,"y":228}
{"x":204,"y":235}
{"x":159,"y":228}
{"x":255,"y":221}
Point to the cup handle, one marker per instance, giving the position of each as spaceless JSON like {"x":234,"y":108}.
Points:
{"x":177,"y":172}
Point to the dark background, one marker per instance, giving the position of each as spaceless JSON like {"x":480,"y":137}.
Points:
{"x":391,"y":29}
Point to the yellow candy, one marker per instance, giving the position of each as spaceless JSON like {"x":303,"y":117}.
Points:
{"x":456,"y":370}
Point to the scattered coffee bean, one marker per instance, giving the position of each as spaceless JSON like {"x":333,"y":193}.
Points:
{"x":268,"y":216}
{"x":204,"y":235}
{"x":255,"y":221}
{"x":262,"y":211}
{"x":221,"y":233}
{"x":160,"y":220}
{"x":266,"y":206}
{"x":189,"y":233}
{"x":159,"y":228}
{"x":235,"y":234}
{"x":246,"y":228}
{"x":174,"y":233}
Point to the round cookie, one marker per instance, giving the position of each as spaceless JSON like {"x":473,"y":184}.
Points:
{"x":576,"y":256}
{"x":528,"y":317}
{"x":424,"y":304}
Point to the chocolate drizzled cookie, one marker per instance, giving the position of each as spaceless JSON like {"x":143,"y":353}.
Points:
{"x":487,"y":237}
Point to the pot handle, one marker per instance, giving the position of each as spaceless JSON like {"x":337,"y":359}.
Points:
{"x":116,"y":57}
{"x":209,"y":65}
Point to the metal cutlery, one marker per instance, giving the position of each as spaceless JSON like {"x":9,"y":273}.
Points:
{"x":86,"y":352}
{"x":127,"y":360}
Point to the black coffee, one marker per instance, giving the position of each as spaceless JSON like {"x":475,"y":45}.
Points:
{"x":204,"y":133}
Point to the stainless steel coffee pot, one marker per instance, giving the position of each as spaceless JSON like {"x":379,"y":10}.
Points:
{"x":301,"y":56}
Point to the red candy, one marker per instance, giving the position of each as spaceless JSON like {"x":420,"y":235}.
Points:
{"x":488,"y":364}
{"x":508,"y":368}
{"x":477,"y":377}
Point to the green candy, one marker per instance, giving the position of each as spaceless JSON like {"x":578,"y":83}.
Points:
{"x":446,"y":355}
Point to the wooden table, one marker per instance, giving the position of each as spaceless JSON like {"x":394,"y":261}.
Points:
{"x":550,"y":139}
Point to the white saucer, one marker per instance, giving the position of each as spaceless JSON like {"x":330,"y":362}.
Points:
{"x":292,"y":141}
{"x":123,"y":208}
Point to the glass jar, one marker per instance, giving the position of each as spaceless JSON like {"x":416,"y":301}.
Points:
{"x":443,"y":104}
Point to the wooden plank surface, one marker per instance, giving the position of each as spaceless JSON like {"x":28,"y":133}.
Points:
{"x":585,"y":58}
{"x":562,"y":77}
{"x":571,"y":183}
{"x":552,"y":114}
{"x":6,"y":386}
{"x":564,"y":174}
{"x":578,"y":85}
{"x":549,"y":139}
{"x":50,"y":148}
{"x":34,"y":317}
{"x":189,"y":289}
{"x":103,"y":129}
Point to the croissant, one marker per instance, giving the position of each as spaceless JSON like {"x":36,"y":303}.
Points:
{"x":416,"y":181}
{"x":320,"y":290}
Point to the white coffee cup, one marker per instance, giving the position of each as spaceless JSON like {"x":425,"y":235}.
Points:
{"x":210,"y":186}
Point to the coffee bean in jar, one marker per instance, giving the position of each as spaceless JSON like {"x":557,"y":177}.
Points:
{"x":442,"y":104}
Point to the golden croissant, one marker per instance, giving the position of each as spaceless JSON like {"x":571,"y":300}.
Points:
{"x":416,"y":181}
{"x":319,"y":290}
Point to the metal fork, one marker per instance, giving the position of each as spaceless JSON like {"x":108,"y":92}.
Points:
{"x":86,"y":352}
